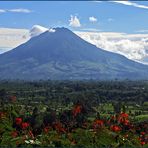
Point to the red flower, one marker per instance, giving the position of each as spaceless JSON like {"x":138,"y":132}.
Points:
{"x":98,"y":123}
{"x":76,"y":110}
{"x":18,"y":121}
{"x":139,"y":139}
{"x":115,"y":128}
{"x":142,"y":133}
{"x":142,"y":143}
{"x":124,"y":115}
{"x":120,"y":120}
{"x":14,"y":134}
{"x":31,"y":134}
{"x":126,"y":122}
{"x":123,"y":118}
{"x":46,"y":130}
{"x":59,"y":128}
{"x":25,"y":125}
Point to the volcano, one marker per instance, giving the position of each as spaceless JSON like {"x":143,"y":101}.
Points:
{"x":59,"y":54}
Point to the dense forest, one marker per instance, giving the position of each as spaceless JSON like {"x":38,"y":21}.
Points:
{"x":71,"y":91}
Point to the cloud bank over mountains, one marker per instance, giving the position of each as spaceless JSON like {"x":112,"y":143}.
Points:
{"x":10,"y":38}
{"x":133,"y":46}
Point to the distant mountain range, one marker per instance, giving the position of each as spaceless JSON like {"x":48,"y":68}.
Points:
{"x":59,"y":54}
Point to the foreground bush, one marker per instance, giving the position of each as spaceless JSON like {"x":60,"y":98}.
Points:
{"x":71,"y":128}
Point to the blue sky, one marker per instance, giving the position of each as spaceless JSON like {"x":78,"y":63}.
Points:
{"x":128,"y":17}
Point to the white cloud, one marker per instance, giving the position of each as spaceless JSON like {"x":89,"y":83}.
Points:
{"x":142,"y":31}
{"x":10,"y":38}
{"x":91,"y":29}
{"x":37,"y":30}
{"x":133,"y":46}
{"x":128,"y":3}
{"x":20,"y":10}
{"x":2,"y":11}
{"x":51,"y":30}
{"x":92,"y":19}
{"x":74,"y":21}
{"x":110,"y":19}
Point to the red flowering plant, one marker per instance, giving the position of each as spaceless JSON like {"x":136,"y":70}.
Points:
{"x":98,"y":124}
{"x":115,"y":128}
{"x":59,"y":127}
{"x":123,"y":119}
{"x":25,"y":125}
{"x":128,"y":128}
{"x":124,"y":115}
{"x":30,"y":134}
{"x":142,"y":133}
{"x":18,"y":121}
{"x":76,"y":110}
{"x":142,"y":143}
{"x":143,"y":138}
{"x":46,"y":129}
{"x":14,"y":134}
